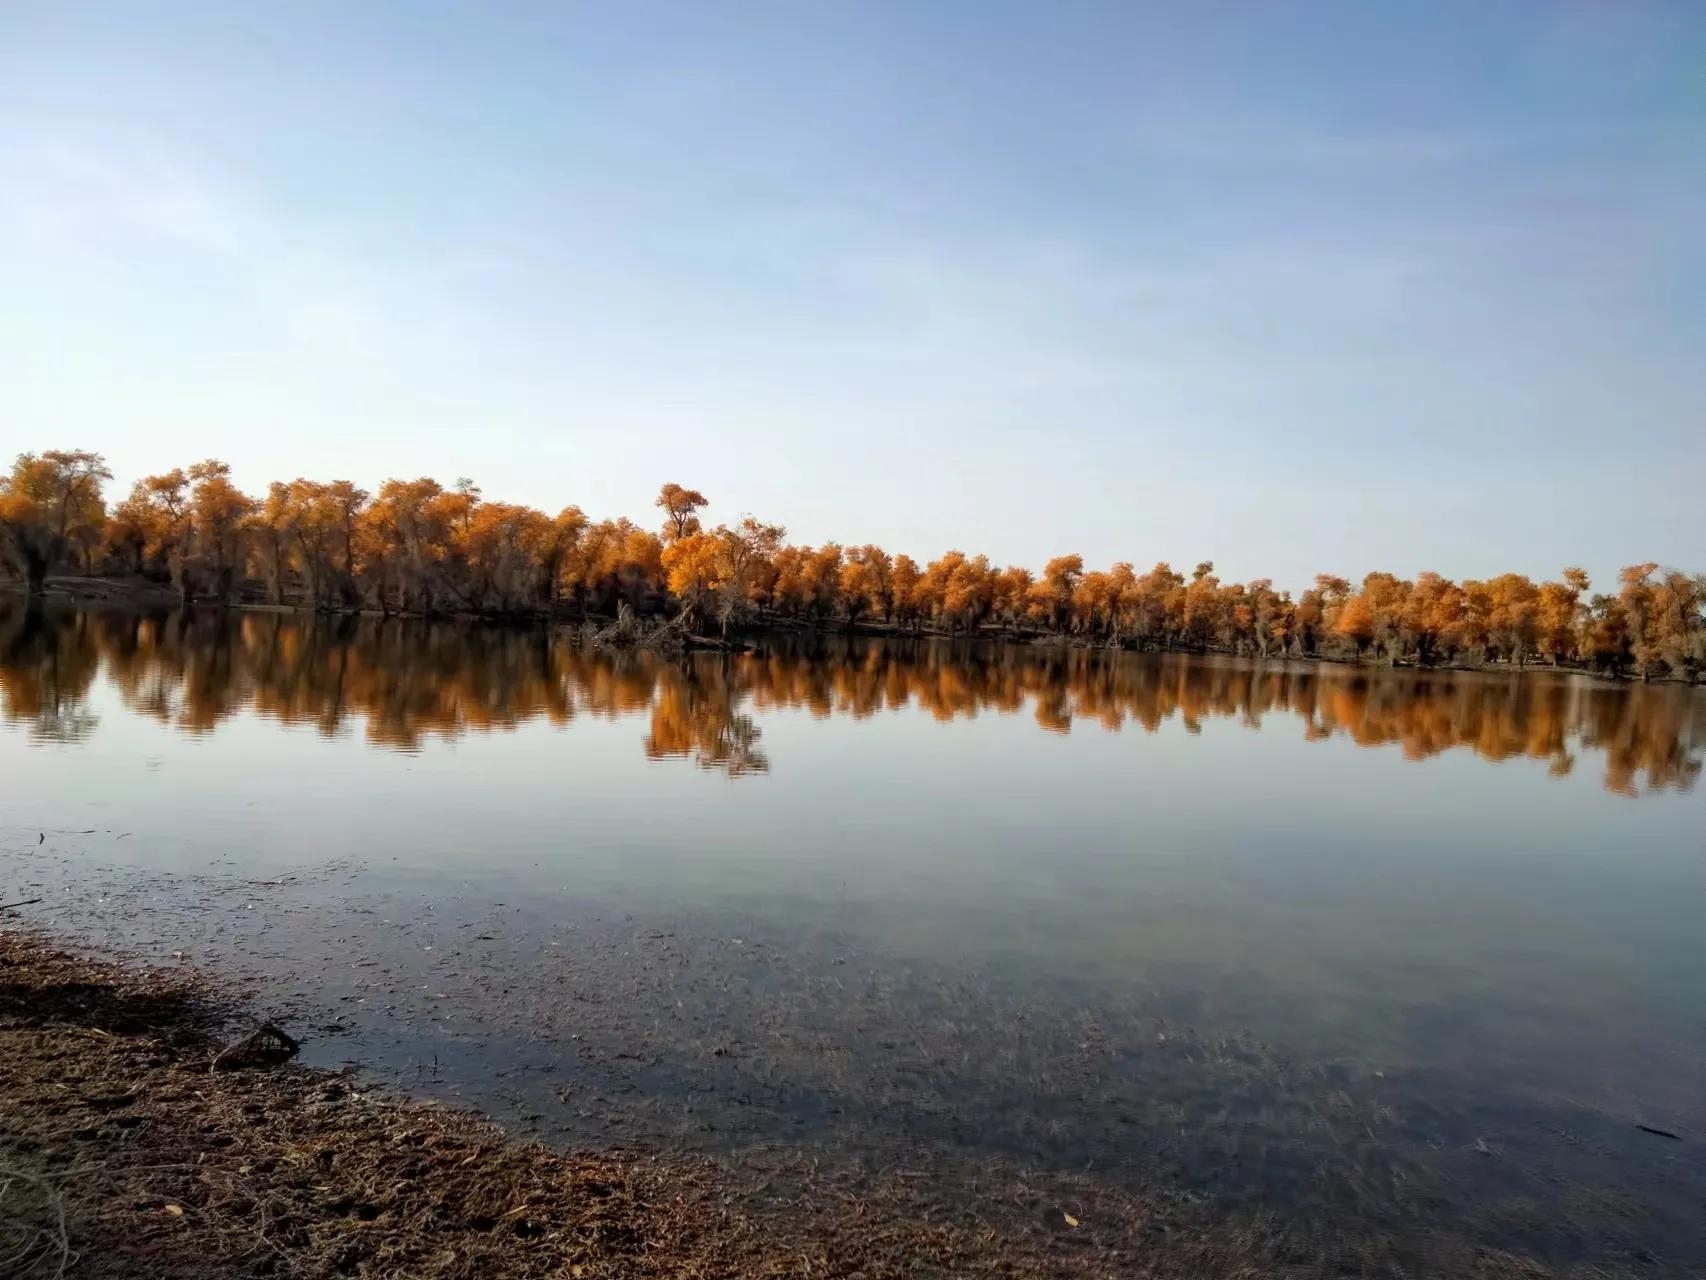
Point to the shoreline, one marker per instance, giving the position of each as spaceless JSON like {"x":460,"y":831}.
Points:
{"x":112,"y":1114}
{"x":97,"y":593}
{"x":132,"y":1142}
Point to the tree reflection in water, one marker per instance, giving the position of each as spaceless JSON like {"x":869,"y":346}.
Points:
{"x":406,"y":682}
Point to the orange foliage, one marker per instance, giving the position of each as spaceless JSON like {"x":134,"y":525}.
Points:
{"x":403,"y":684}
{"x":415,"y":546}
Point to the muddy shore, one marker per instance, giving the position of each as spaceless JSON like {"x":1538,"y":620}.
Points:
{"x":129,"y":1147}
{"x":134,"y":1143}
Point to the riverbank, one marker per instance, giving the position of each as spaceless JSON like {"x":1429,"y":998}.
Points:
{"x":1207,"y":1156}
{"x":653,"y":631}
{"x":129,"y":1145}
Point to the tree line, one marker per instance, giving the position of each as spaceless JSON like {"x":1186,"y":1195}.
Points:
{"x":405,"y":682}
{"x":418,"y":547}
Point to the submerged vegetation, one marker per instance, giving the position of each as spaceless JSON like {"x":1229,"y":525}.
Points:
{"x":417,"y":547}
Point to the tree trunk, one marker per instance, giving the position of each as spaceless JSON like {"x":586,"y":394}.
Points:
{"x":35,"y":572}
{"x":175,"y":567}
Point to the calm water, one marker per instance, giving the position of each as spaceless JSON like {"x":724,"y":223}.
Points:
{"x":1405,"y":952}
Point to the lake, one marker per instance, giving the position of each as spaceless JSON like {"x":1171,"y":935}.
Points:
{"x":1371,"y":957}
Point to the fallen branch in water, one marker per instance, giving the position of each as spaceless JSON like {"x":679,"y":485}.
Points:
{"x":1659,"y":1133}
{"x":265,"y":1046}
{"x":628,"y":632}
{"x":27,"y":902}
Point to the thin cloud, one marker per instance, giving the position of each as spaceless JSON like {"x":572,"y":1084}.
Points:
{"x":316,"y":292}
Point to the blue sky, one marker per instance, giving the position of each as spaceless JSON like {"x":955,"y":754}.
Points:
{"x":1291,"y":287}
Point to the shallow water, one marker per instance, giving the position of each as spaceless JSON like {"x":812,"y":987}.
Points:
{"x":1374,"y":946}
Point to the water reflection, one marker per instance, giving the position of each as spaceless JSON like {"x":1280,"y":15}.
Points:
{"x":45,"y":676}
{"x":404,"y":682}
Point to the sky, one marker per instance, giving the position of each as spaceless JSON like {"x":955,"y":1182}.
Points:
{"x":1291,"y":287}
